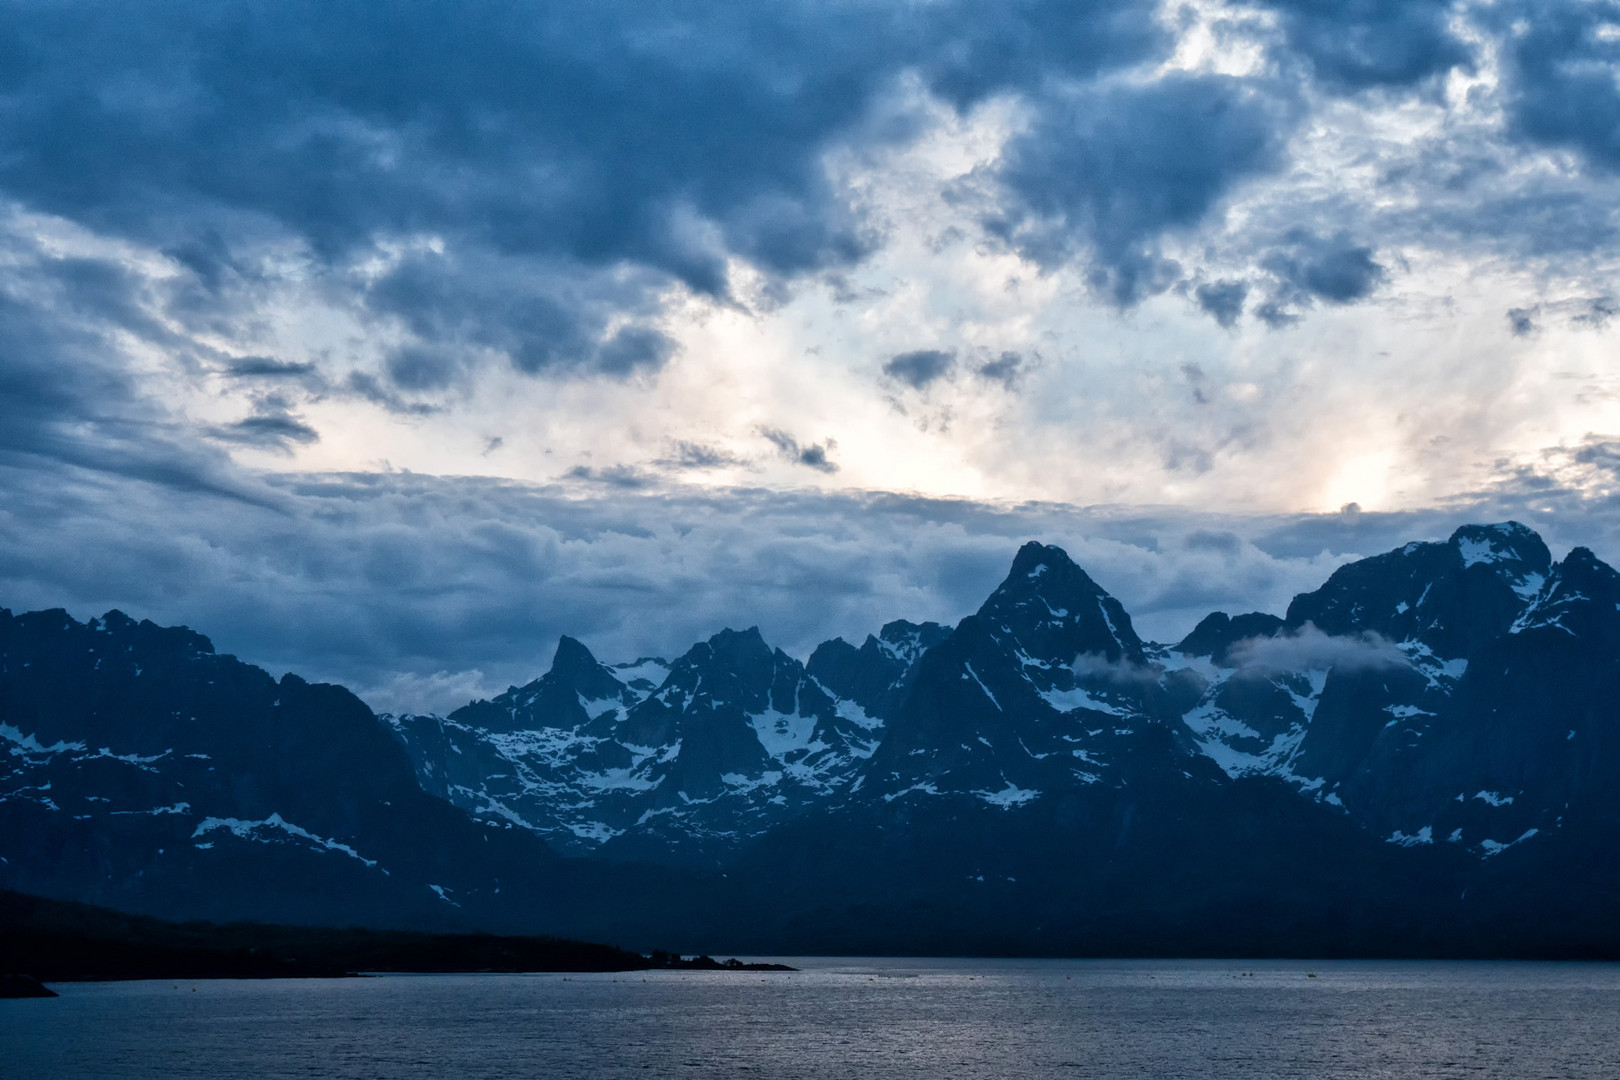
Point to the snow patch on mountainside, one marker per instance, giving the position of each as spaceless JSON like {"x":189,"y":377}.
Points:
{"x":1078,"y":698}
{"x":1496,"y":847}
{"x":782,"y":733}
{"x":1010,"y":796}
{"x":256,"y":830}
{"x":29,"y":744}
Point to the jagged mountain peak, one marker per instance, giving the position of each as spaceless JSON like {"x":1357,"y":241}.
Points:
{"x":576,"y":689}
{"x":1055,"y":612}
{"x":176,"y":641}
{"x":1582,"y":563}
{"x":1452,"y":597}
{"x":1581,"y":597}
{"x":906,"y":641}
{"x":575,"y":671}
{"x":1217,"y":632}
{"x":732,"y":649}
{"x":878,"y":675}
{"x":571,"y":653}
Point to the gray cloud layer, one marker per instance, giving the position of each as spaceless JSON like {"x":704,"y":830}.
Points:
{"x":420,"y":591}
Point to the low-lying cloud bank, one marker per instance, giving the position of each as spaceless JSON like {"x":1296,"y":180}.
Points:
{"x":1309,"y":649}
{"x":421,"y":591}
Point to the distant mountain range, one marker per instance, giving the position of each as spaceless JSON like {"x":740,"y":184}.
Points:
{"x":1419,"y":758}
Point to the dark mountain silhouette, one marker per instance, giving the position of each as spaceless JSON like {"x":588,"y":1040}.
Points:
{"x":1417,"y":759}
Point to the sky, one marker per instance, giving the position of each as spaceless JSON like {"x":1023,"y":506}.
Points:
{"x":387,"y":342}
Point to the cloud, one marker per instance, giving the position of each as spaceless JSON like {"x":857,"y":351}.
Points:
{"x":496,"y":176}
{"x":1106,"y":171}
{"x":1309,"y":649}
{"x":1560,"y":62}
{"x":918,"y":369}
{"x":370,"y":579}
{"x":1004,"y":369}
{"x":1122,"y":672}
{"x":68,"y":399}
{"x":617,"y":476}
{"x":1334,"y":269}
{"x":1598,"y":311}
{"x":691,"y":455}
{"x":272,"y":429}
{"x":812,"y":455}
{"x":265,"y":367}
{"x":1354,"y":45}
{"x":347,"y":234}
{"x":1225,"y":543}
{"x":1222,"y":300}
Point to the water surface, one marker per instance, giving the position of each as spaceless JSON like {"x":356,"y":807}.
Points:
{"x":848,"y":1018}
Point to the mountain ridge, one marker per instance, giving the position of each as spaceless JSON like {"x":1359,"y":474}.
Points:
{"x":1036,"y":757}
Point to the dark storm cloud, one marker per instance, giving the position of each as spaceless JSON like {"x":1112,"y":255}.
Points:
{"x":1597,"y":312}
{"x":1561,"y":57}
{"x":1104,"y":172}
{"x":530,"y":140}
{"x":919,"y":368}
{"x":540,"y":320}
{"x":496,"y":181}
{"x":1352,"y":45}
{"x":634,"y":348}
{"x":368,"y":387}
{"x":625,"y":477}
{"x":1580,"y":313}
{"x":423,"y":367}
{"x":1225,"y":543}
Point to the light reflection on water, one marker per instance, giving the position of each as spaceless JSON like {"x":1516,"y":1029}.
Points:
{"x":841,"y":1018}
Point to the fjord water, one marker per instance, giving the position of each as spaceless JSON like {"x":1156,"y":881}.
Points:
{"x":845,"y":1018}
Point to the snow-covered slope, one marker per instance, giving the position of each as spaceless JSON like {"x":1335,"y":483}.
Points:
{"x":140,"y":769}
{"x":668,"y":762}
{"x":1373,"y":696}
{"x":1391,"y":691}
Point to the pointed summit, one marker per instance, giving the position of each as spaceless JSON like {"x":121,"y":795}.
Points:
{"x":1056,"y":612}
{"x":575,"y":690}
{"x":574,"y":668}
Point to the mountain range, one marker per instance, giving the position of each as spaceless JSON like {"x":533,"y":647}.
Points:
{"x":1418,"y":758}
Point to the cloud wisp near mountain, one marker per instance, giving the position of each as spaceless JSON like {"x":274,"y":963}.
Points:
{"x":1414,"y":758}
